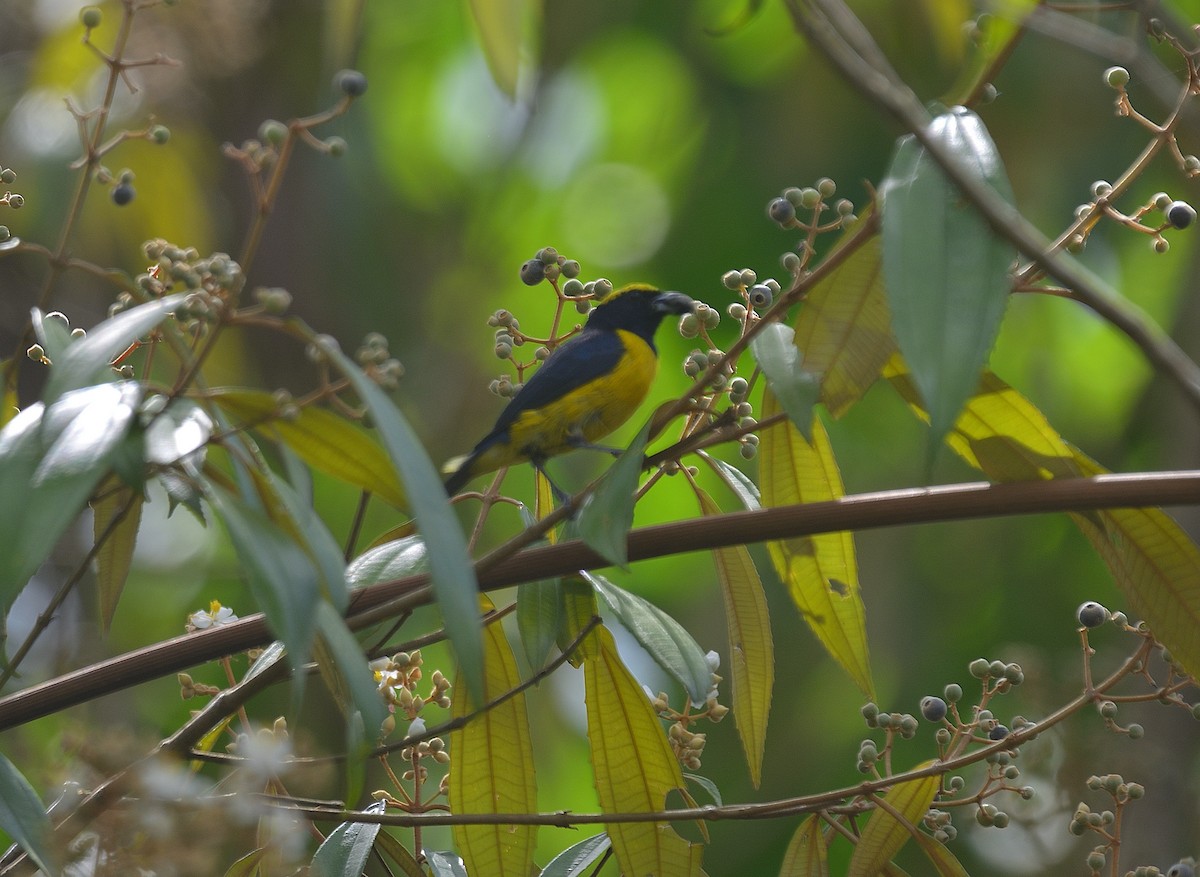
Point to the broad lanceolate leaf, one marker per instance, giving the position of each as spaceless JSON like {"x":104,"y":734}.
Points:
{"x":247,"y":865}
{"x":662,"y":636}
{"x":607,"y":515}
{"x":634,"y":766}
{"x":53,"y":458}
{"x":23,"y":818}
{"x":944,"y":861}
{"x":399,"y":854}
{"x":451,"y":571}
{"x":88,"y":360}
{"x":844,"y":327}
{"x":493,"y":767}
{"x":445,"y":864}
{"x":1152,"y":559}
{"x":391,"y":560}
{"x":579,"y":608}
{"x":793,"y":385}
{"x":576,"y":859}
{"x":884,"y":834}
{"x":352,"y":682}
{"x":505,"y":34}
{"x":947,"y":273}
{"x":345,"y":851}
{"x":540,"y":613}
{"x":281,"y":576}
{"x":806,"y":852}
{"x":820,"y":572}
{"x":751,"y":647}
{"x":321,"y":439}
{"x":120,"y":510}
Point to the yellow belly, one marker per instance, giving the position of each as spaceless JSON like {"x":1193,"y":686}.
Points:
{"x":591,"y":411}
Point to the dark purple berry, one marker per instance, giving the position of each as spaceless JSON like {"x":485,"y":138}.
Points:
{"x":533,"y":272}
{"x":350,"y":82}
{"x":1180,"y":214}
{"x":999,"y":732}
{"x":1091,"y":614}
{"x":781,"y":210}
{"x":933,"y":708}
{"x":122,"y":194}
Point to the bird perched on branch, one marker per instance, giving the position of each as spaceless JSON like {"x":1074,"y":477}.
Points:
{"x":583,"y":391}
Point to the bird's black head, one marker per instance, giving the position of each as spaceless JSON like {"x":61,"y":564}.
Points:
{"x":639,"y":309}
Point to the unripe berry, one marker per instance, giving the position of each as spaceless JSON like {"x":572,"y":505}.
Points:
{"x":826,"y":187}
{"x":979,"y":667}
{"x":1116,"y":77}
{"x":160,"y":134}
{"x":90,"y":17}
{"x":953,"y":692}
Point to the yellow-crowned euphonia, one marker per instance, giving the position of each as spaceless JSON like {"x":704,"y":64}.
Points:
{"x":583,"y":391}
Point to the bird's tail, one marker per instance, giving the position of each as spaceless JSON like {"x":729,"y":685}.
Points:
{"x":459,"y":471}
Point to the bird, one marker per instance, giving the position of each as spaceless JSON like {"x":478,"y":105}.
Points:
{"x":583,"y":391}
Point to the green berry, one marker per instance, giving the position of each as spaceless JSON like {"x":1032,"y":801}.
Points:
{"x":1101,"y":189}
{"x":1191,"y":164}
{"x":1096,"y":860}
{"x":748,"y":277}
{"x":1161,"y":245}
{"x":90,"y":17}
{"x":1116,"y":77}
{"x":826,"y":187}
{"x":978,"y":668}
{"x":953,"y":692}
{"x":1181,"y":214}
{"x":160,"y":134}
{"x":8,"y":176}
{"x":1183,"y":868}
{"x":5,"y":234}
{"x":272,"y":131}
{"x":870,"y":712}
{"x":689,"y":325}
{"x":933,"y":708}
{"x":350,"y":83}
{"x":1108,"y":709}
{"x":570,"y":269}
{"x":548,"y":255}
{"x":732,"y":280}
{"x":790,"y":262}
{"x":1136,"y":731}
{"x":1091,"y":614}
{"x":794,"y":196}
{"x":809,"y":198}
{"x":337,"y":146}
{"x":573,"y":286}
{"x":15,"y":201}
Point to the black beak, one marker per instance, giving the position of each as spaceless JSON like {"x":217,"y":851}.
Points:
{"x":674,"y":303}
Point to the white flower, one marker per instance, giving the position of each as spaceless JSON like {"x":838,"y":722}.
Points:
{"x":216,"y":616}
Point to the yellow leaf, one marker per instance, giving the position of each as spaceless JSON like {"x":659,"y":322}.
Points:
{"x":751,"y":648}
{"x":844,"y":327}
{"x":889,"y":828}
{"x":805,"y":856}
{"x":493,"y":766}
{"x":322,"y":440}
{"x":504,"y":35}
{"x":115,"y":556}
{"x":634,"y":766}
{"x":579,"y":608}
{"x":821,"y":571}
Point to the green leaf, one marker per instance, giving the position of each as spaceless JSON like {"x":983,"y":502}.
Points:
{"x":607,"y":515}
{"x":944,"y":861}
{"x":793,"y":385}
{"x":999,"y":34}
{"x":821,"y":571}
{"x":947,"y":273}
{"x":662,"y":636}
{"x":178,"y":434}
{"x":844,"y":327}
{"x":806,"y":852}
{"x":736,"y":480}
{"x":445,"y":864}
{"x":493,"y":766}
{"x":708,"y":785}
{"x":345,"y":851}
{"x":575,"y":859}
{"x":884,"y":834}
{"x":89,"y":360}
{"x":115,"y":556}
{"x":24,"y":819}
{"x":280,"y":574}
{"x":388,"y":562}
{"x":247,"y":865}
{"x":579,"y":608}
{"x":751,"y":647}
{"x":398,"y":853}
{"x":322,"y":439}
{"x":350,"y":664}
{"x":505,"y":35}
{"x":539,"y":618}
{"x":621,"y":723}
{"x":53,"y":458}
{"x":451,"y":571}
{"x":314,"y":537}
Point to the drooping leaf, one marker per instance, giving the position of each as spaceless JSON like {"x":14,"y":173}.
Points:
{"x":577,"y":858}
{"x":87,"y":361}
{"x":884,"y":834}
{"x":348,"y":666}
{"x":661,"y":636}
{"x":322,"y":439}
{"x":505,"y":35}
{"x":24,"y":819}
{"x":120,"y":510}
{"x":493,"y":766}
{"x":313,"y":536}
{"x":947,"y":272}
{"x":708,"y":785}
{"x":944,"y":861}
{"x":821,"y":571}
{"x":345,"y":851}
{"x":792,"y":384}
{"x":806,"y":852}
{"x":607,"y":515}
{"x":579,"y":608}
{"x":281,"y":576}
{"x":398,"y":853}
{"x":179,"y":433}
{"x":621,"y":722}
{"x":247,"y":865}
{"x":391,"y":560}
{"x":844,"y":327}
{"x":451,"y":571}
{"x":736,"y":480}
{"x":751,"y":647}
{"x":540,"y":613}
{"x":53,"y":458}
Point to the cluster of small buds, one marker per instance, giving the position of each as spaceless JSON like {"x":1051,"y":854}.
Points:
{"x":991,"y":816}
{"x":397,"y":678}
{"x":703,"y":319}
{"x":7,"y":177}
{"x":940,"y":825}
{"x":215,"y":280}
{"x":380,"y":366}
{"x":505,"y":387}
{"x":272,"y":299}
{"x":548,"y":264}
{"x":508,"y":333}
{"x":189,"y":688}
{"x":903,"y":724}
{"x":319,"y":349}
{"x":687,"y":745}
{"x":1000,"y":674}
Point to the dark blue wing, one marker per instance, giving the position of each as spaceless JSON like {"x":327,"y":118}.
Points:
{"x":577,"y":362}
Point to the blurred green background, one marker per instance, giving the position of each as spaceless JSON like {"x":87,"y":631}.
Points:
{"x":646,"y":145}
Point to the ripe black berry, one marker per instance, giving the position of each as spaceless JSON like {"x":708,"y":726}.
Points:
{"x":122,"y":194}
{"x":1091,"y":614}
{"x":781,"y":210}
{"x":350,"y":82}
{"x":933,"y":708}
{"x":999,"y":732}
{"x":533,"y":272}
{"x":1180,"y":214}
